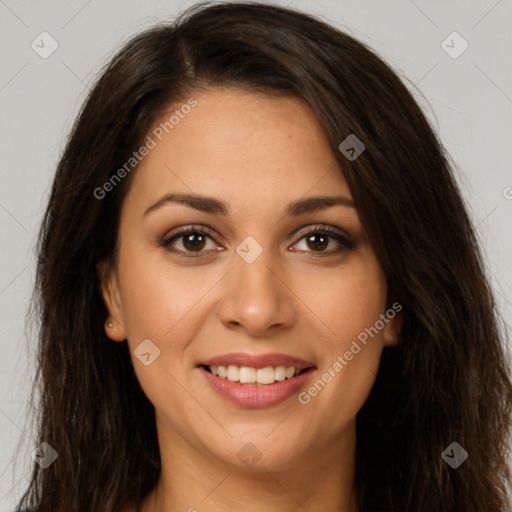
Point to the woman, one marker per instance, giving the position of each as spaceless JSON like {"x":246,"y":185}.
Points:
{"x":259,"y":287}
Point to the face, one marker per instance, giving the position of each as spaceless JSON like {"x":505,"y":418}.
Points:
{"x":264,"y":276}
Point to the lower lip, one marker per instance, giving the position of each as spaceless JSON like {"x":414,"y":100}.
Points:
{"x":254,"y":396}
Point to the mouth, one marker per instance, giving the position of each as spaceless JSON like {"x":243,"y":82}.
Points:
{"x":256,"y":388}
{"x":247,"y":376}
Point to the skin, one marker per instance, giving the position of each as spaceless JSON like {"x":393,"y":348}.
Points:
{"x":257,"y":154}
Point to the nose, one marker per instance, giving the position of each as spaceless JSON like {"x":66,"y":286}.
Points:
{"x":256,"y":297}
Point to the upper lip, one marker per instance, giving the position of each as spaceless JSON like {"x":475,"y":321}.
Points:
{"x":257,"y":361}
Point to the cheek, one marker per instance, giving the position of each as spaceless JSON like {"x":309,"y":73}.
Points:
{"x":348,"y":301}
{"x":155,"y":297}
{"x":350,"y":306}
{"x":163,"y":305}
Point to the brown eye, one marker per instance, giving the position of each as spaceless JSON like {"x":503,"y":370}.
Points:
{"x":320,"y":239}
{"x":194,"y":241}
{"x":317,"y":241}
{"x":189,"y":241}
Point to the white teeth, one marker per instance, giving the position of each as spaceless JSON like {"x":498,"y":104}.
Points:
{"x":267,"y":375}
{"x":281,"y":373}
{"x":233,"y":373}
{"x":290,"y":371}
{"x":248,"y":375}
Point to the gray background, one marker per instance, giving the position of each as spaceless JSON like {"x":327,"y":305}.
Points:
{"x":468,"y":100}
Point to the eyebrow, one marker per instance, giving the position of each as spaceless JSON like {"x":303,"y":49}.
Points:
{"x":215,"y":206}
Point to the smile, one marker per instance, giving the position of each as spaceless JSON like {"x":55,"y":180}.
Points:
{"x":249,"y":375}
{"x":256,"y":395}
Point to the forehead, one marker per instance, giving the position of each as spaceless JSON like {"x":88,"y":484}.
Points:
{"x":240,"y":146}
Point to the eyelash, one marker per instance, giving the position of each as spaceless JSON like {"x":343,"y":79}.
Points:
{"x":344,"y":241}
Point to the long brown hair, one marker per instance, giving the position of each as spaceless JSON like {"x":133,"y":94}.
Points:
{"x":446,"y":382}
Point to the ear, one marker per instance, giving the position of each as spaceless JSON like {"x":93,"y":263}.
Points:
{"x":392,"y":330}
{"x":109,"y":289}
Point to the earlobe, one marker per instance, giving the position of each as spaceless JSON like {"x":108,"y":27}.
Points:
{"x":392,"y":331}
{"x":113,"y":332}
{"x":109,"y":289}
